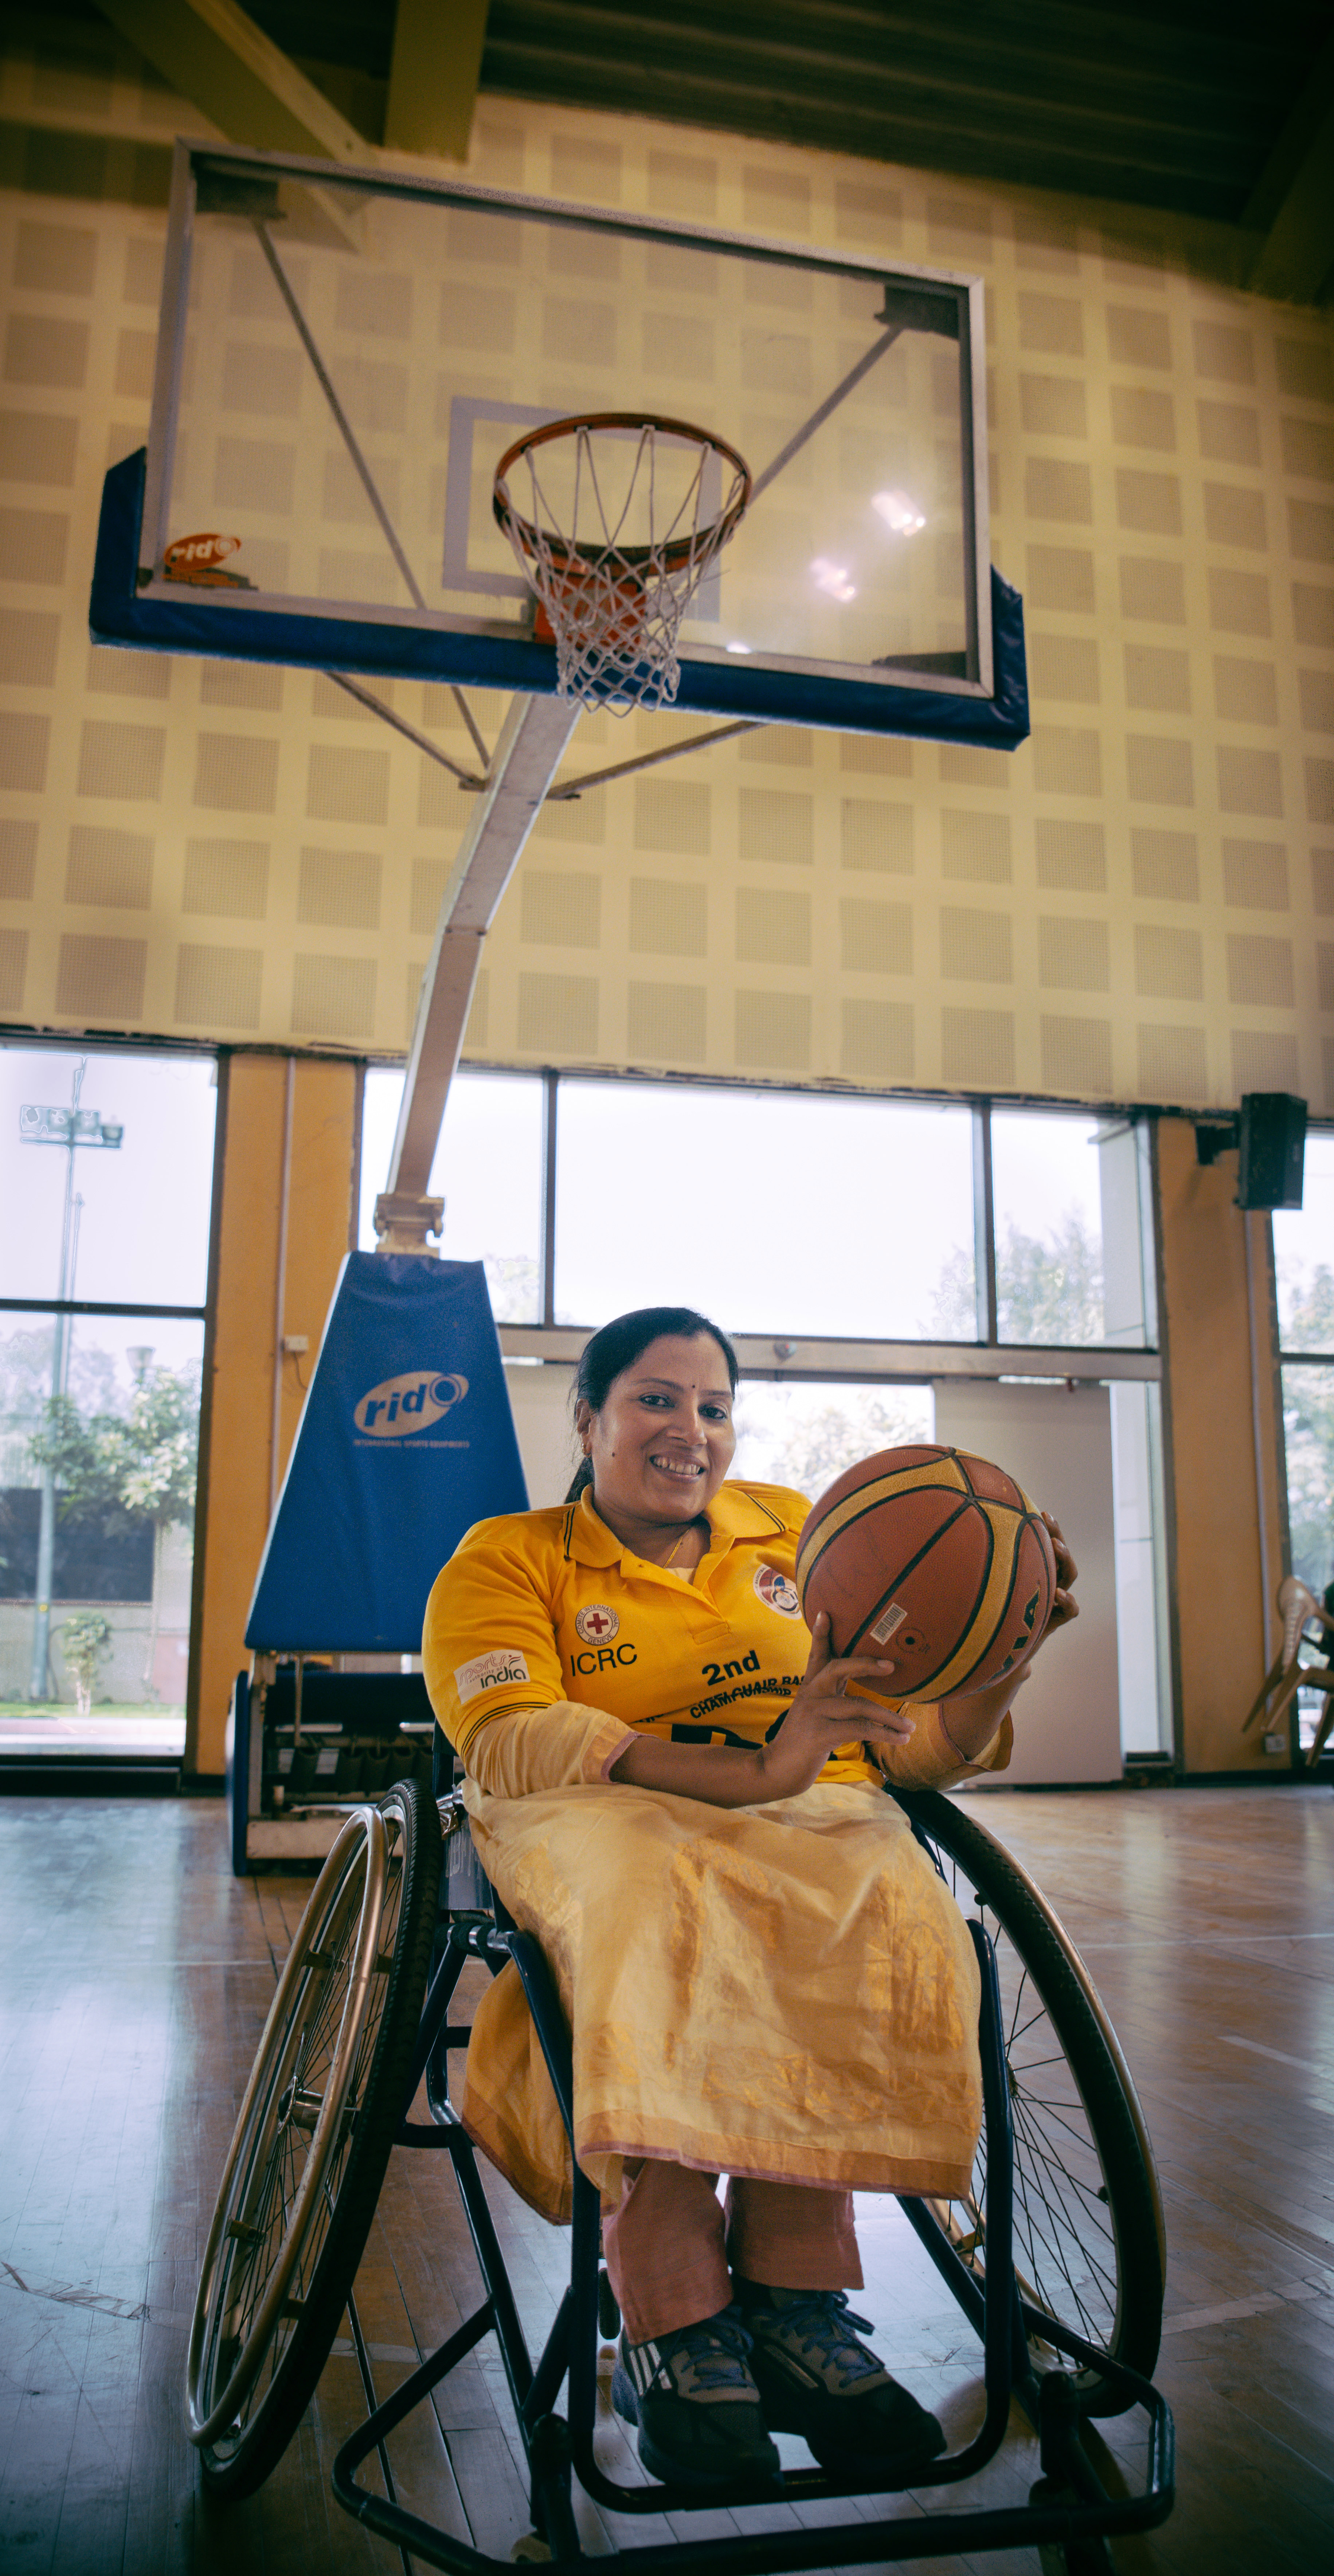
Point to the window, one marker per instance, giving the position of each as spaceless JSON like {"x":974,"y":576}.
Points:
{"x":1049,"y":1281}
{"x":488,"y":1169}
{"x":805,"y":1432}
{"x":1304,"y":1284}
{"x":818,"y":1220}
{"x":1304,"y":1255}
{"x":106,"y":1166}
{"x":772,"y":1211}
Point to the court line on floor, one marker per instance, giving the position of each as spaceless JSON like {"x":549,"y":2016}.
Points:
{"x":65,"y":2297}
{"x":1307,"y":2065}
{"x":1230,"y":2309}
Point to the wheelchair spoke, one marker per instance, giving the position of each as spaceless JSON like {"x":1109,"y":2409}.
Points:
{"x":1039,"y":2246}
{"x":1063,"y":2238}
{"x":1050,"y":2242}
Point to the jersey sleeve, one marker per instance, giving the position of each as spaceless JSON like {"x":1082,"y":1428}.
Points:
{"x":930,"y":1761}
{"x":522,"y":1750}
{"x":489,"y":1641}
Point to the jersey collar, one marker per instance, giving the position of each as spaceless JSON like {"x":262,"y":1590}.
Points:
{"x":734,"y":1514}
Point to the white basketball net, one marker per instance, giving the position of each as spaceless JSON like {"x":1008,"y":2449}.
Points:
{"x":618,"y":529}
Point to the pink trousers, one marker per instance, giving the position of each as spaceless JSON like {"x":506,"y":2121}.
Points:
{"x":670,"y":2246}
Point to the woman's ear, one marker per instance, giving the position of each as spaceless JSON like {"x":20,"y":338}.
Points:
{"x":583,"y":1424}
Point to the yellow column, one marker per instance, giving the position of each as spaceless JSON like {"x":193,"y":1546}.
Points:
{"x":1225,"y":1555}
{"x":237,"y":1427}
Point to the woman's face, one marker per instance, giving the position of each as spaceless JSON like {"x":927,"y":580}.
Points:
{"x":663,"y":1440}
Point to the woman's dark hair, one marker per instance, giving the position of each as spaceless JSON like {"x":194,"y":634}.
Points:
{"x":624,"y":1340}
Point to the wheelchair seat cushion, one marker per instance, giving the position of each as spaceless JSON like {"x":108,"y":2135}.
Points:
{"x":786,"y":1991}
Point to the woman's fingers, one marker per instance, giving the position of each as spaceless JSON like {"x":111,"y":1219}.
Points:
{"x":833,"y":1673}
{"x":889,"y":1726}
{"x":821,"y":1651}
{"x":1064,"y":1606}
{"x":857,"y":1668}
{"x":1066,"y":1568}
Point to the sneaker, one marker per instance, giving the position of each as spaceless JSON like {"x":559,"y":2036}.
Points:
{"x":697,"y":2407}
{"x":816,"y":2379}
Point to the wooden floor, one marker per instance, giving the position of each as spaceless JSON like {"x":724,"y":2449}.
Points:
{"x":136,"y":1975}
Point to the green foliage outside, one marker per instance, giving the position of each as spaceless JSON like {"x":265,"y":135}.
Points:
{"x":127,"y":1468}
{"x":821,"y":1444}
{"x":1048,"y":1291}
{"x":85,"y":1641}
{"x":513,"y":1287}
{"x":1308,"y":1424}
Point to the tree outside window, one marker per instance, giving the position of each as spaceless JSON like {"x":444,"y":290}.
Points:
{"x":124,"y":1469}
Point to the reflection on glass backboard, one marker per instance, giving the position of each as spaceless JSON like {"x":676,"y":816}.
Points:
{"x":342,"y":366}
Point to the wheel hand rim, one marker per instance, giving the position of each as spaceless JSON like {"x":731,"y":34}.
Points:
{"x":204,"y":2425}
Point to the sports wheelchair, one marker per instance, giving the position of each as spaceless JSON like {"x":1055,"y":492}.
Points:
{"x":1055,"y":2255}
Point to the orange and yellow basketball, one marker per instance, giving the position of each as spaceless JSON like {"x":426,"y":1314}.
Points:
{"x":934,"y":1558}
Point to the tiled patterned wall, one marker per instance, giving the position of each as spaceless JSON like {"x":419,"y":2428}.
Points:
{"x":1139,"y":904}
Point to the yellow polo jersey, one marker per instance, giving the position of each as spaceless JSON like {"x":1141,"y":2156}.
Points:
{"x":539,"y":1607}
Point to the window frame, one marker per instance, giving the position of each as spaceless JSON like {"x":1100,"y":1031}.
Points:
{"x":63,"y":1042}
{"x":832,"y":1357}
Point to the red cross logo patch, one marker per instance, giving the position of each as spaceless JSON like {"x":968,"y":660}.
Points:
{"x":597,"y":1624}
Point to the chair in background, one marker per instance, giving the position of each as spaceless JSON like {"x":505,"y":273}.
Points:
{"x":1288,"y":1674}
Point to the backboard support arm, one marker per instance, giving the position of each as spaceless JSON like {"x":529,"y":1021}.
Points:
{"x":532,"y":744}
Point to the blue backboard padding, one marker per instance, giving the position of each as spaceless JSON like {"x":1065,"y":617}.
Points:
{"x":734,"y":688}
{"x":405,"y":1439}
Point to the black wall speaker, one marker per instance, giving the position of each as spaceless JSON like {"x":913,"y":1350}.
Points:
{"x":1271,"y":1132}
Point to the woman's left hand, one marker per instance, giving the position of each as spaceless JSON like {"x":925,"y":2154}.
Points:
{"x":1064,"y":1606}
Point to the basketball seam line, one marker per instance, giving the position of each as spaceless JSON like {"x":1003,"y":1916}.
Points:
{"x":912,"y":1565}
{"x":1028,"y":1519}
{"x":870,"y":1499}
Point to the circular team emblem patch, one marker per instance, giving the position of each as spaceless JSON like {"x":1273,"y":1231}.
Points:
{"x":775,"y":1589}
{"x":597,"y":1624}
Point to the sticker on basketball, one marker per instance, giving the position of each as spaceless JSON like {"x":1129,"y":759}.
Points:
{"x":935,"y":1559}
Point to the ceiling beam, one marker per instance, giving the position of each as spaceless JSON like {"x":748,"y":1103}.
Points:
{"x":1293,"y":206}
{"x":216,"y":56}
{"x":433,"y":76}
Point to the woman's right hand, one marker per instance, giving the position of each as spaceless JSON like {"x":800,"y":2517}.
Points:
{"x":820,"y":1717}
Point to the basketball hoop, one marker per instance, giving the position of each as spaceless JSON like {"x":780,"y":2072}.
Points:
{"x":623,"y":522}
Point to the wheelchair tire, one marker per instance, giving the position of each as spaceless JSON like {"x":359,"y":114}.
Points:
{"x":1089,"y":2242}
{"x":323,"y":2105}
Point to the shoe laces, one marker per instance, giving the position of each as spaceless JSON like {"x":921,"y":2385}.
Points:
{"x":716,"y":2347}
{"x":822,"y":2320}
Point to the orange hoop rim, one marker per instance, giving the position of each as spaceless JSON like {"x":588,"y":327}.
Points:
{"x":567,"y":554}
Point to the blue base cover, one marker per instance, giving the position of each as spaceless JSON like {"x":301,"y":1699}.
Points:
{"x":400,"y":650}
{"x":405,"y":1439}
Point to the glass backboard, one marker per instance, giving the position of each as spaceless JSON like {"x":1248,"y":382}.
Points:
{"x":344,"y":356}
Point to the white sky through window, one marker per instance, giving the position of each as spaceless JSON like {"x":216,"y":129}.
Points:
{"x":144,"y":1224}
{"x":1304,"y":1244}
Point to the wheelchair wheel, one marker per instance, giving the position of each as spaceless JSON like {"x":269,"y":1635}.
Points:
{"x":305,"y":2167}
{"x":1089,"y":2243}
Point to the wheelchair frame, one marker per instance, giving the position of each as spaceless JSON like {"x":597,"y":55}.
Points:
{"x":1081,"y":2510}
{"x":1071,"y":2508}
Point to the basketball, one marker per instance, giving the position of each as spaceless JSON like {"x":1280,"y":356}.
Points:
{"x":934,"y":1558}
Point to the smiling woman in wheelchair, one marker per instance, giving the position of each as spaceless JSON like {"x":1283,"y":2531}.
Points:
{"x":762,"y":1972}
